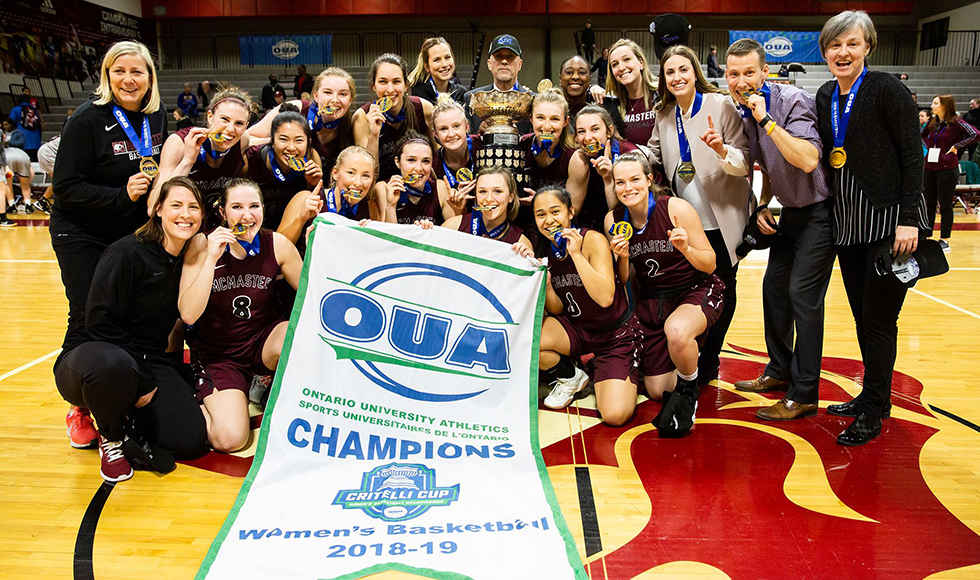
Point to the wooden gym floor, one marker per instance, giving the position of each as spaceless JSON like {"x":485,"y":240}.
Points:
{"x":738,"y":498}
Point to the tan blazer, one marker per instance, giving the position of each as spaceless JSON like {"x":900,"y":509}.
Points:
{"x":725,"y":181}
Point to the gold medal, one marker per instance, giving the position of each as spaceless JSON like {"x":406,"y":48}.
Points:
{"x":555,"y":232}
{"x":464,"y":174}
{"x":296,"y":164}
{"x":385,"y":104}
{"x":592,"y":147}
{"x":686,"y":171}
{"x":353,"y":195}
{"x":239,"y":229}
{"x":838,"y":157}
{"x":443,"y":98}
{"x":217,"y":136}
{"x":747,"y":94}
{"x":412,"y":178}
{"x":484,"y":208}
{"x":544,"y":85}
{"x":546,"y":136}
{"x":328,"y":110}
{"x":623,"y":229}
{"x":149,"y":167}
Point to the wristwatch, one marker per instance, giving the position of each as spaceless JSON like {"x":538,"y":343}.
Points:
{"x":765,"y":121}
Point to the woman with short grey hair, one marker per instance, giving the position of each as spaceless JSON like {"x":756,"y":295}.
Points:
{"x":869,"y":127}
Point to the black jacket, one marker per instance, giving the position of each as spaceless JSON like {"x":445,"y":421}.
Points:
{"x":95,"y":161}
{"x":424,"y":90}
{"x":883,"y":146}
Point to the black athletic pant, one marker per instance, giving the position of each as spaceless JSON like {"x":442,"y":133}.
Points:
{"x":875,"y":302}
{"x":940,"y":185}
{"x":107,"y":380}
{"x":78,"y":255}
{"x":708,"y":360}
{"x":793,"y":292}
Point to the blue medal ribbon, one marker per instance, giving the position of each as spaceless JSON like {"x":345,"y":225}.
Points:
{"x":651,"y":204}
{"x":450,"y":176}
{"x":685,"y":146}
{"x":347,"y":210}
{"x":411,"y":191}
{"x":544,"y":146}
{"x":435,"y":91}
{"x":314,"y":120}
{"x":208,"y":151}
{"x":278,"y":172}
{"x":144,"y":146}
{"x":766,"y":93}
{"x":839,"y":120}
{"x":614,"y":143}
{"x":559,"y":245}
{"x":251,"y":248}
{"x":389,"y":118}
{"x":478,"y":228}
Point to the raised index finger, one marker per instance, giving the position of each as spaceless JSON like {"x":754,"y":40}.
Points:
{"x":711,"y":124}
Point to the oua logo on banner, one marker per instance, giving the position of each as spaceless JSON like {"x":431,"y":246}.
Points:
{"x":401,"y":430}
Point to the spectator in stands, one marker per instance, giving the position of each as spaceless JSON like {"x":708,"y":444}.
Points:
{"x":269,"y":93}
{"x":204,"y":94}
{"x":780,"y":122}
{"x":632,"y":81}
{"x":303,"y":83}
{"x":587,"y":38}
{"x":99,"y":186}
{"x":714,"y":71}
{"x":972,"y":117}
{"x":187,"y":102}
{"x":182,"y":119}
{"x":945,"y":135}
{"x":18,"y":163}
{"x":27,"y":118}
{"x":600,"y":67}
{"x":878,"y":204}
{"x":46,"y":156}
{"x":504,"y":62}
{"x":434,"y":71}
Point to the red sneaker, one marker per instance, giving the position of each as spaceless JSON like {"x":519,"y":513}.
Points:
{"x":115,"y":466}
{"x":81,"y":430}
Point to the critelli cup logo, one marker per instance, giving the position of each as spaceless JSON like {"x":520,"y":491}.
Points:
{"x":285,"y":49}
{"x":778,"y":46}
{"x":395,"y":342}
{"x":397,"y":492}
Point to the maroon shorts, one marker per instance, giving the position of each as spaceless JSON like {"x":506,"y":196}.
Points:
{"x":214,"y":373}
{"x":616,"y":351}
{"x":653,"y":312}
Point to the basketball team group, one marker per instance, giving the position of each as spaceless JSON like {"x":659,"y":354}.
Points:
{"x":638,"y":193}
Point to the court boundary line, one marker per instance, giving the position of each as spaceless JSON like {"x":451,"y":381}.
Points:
{"x":944,"y":303}
{"x":26,"y":366}
{"x":82,"y":560}
{"x":28,"y":261}
{"x":956,"y":418}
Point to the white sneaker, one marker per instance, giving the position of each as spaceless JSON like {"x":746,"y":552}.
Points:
{"x":563,"y":390}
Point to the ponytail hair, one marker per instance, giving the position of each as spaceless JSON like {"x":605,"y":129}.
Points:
{"x":420,"y":74}
{"x":557,"y":97}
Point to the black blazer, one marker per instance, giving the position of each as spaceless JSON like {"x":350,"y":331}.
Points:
{"x":883,"y":145}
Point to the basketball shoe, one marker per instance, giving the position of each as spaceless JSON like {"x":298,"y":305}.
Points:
{"x":115,"y":466}
{"x":563,"y":390}
{"x":81,"y":430}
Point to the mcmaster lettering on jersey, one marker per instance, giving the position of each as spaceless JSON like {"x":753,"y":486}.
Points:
{"x":243,"y":281}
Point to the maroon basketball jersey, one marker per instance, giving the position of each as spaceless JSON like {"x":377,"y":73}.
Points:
{"x":439,"y":166}
{"x":390,"y":135}
{"x":595,"y":207}
{"x":275,"y":193}
{"x":424,"y":208}
{"x":512,"y":235}
{"x":658,"y":264}
{"x":330,"y":150}
{"x":211,"y":180}
{"x":579,"y":306}
{"x":555,"y":173}
{"x":242,"y":302}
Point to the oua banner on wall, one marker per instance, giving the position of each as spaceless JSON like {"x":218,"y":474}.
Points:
{"x":401,"y":430}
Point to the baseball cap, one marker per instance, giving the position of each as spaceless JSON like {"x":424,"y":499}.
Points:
{"x":505,"y":41}
{"x":926,"y":261}
{"x":669,"y":30}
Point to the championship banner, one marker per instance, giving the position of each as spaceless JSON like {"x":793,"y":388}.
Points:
{"x":802,"y":47}
{"x":401,"y":432}
{"x":285,"y":50}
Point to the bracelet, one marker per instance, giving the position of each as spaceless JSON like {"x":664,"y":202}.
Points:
{"x":772,"y":127}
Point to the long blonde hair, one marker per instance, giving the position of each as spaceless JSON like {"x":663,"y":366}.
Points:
{"x":648,"y":81}
{"x":701,"y":84}
{"x":419,"y":74}
{"x":557,"y":97}
{"x":151,"y":100}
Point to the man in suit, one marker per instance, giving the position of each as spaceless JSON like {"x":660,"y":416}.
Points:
{"x":504,"y":63}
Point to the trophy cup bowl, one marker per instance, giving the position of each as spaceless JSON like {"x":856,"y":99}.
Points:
{"x":502,"y":109}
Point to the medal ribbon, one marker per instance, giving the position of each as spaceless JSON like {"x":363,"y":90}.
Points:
{"x":545,"y":145}
{"x":766,"y":92}
{"x":450,"y":176}
{"x":389,"y":118}
{"x":251,"y":248}
{"x":432,"y":84}
{"x":314,"y":120}
{"x":651,"y":203}
{"x":207,"y":150}
{"x":411,"y":191}
{"x":347,"y":210}
{"x":478,"y":228}
{"x":559,"y":246}
{"x":685,"y":146}
{"x":278,"y":172}
{"x":839,"y":120}
{"x":144,"y":146}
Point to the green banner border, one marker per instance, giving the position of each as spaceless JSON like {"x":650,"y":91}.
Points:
{"x":573,"y":558}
